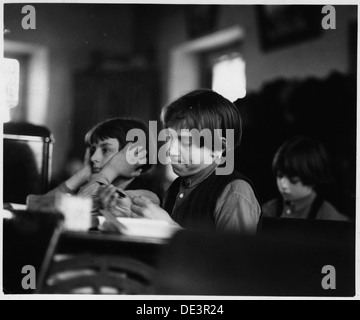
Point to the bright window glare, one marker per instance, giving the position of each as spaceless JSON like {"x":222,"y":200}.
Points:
{"x":229,"y":77}
{"x":5,"y":114}
{"x":11,"y":69}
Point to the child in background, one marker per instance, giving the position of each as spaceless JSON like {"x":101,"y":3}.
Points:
{"x":199,"y":198}
{"x":301,"y":166}
{"x":107,"y":177}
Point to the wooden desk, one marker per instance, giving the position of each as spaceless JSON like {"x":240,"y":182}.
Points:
{"x":38,"y":239}
{"x":143,"y":248}
{"x":94,"y":262}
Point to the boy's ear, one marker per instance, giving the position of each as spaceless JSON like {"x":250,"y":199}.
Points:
{"x":224,"y":144}
{"x":218,"y":153}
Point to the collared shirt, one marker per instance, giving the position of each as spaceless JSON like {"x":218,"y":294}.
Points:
{"x":237,"y":209}
{"x":300,"y":209}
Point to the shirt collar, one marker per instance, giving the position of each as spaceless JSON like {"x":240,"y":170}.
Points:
{"x":194,"y":180}
{"x":123,"y":184}
{"x":300,"y":204}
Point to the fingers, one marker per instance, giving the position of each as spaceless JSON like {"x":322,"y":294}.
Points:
{"x":108,"y":197}
{"x":107,"y":193}
{"x":122,"y":207}
{"x":141,"y":201}
{"x":136,"y":173}
{"x":141,"y":207}
{"x":137,"y":211}
{"x":120,"y":212}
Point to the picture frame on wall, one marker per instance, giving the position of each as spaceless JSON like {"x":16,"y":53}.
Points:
{"x":284,"y":25}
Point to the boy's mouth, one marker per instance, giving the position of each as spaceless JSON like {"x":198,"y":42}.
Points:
{"x":286,"y":195}
{"x":178,"y":161}
{"x":96,"y":170}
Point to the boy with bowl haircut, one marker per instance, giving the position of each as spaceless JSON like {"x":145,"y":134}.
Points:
{"x":201,"y":198}
{"x":107,"y":176}
{"x":301,"y":168}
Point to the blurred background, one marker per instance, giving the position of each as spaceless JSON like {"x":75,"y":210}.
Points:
{"x":85,"y":63}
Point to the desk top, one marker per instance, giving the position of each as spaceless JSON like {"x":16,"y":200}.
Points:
{"x":99,"y":236}
{"x":145,"y":249}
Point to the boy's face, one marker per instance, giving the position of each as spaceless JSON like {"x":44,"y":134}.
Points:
{"x":101,"y":152}
{"x":292,"y":188}
{"x":188,"y":158}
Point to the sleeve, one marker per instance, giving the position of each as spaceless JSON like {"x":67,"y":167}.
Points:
{"x":237,"y":209}
{"x":328,"y":212}
{"x":61,"y":189}
{"x":270,"y":208}
{"x":90,"y":189}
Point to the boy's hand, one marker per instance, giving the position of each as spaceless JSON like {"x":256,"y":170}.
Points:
{"x":79,"y":178}
{"x":85,"y":172}
{"x":119,"y":165}
{"x":114,"y":200}
{"x":143,"y":207}
{"x":87,"y":157}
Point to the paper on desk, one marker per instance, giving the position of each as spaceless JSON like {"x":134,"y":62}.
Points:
{"x":77,"y":212}
{"x":18,"y":206}
{"x":142,"y":227}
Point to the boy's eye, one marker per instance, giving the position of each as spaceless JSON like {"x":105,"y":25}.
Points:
{"x":92,"y":150}
{"x":294,"y":180}
{"x":187,"y":141}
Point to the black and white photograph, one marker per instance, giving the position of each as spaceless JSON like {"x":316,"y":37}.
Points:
{"x":179,"y":151}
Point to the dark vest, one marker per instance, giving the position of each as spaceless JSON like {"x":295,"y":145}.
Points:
{"x":197,"y":212}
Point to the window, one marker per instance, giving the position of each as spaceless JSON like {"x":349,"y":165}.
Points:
{"x":228,"y":76}
{"x":11,"y":69}
{"x":192,"y":62}
{"x":223,"y":70}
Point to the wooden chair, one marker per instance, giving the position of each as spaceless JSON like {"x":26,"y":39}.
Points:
{"x":94,"y":263}
{"x":29,"y":238}
{"x":27,"y":160}
{"x":97,"y":274}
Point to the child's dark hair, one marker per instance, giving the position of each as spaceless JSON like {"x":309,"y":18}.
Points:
{"x":203,"y":109}
{"x":117,"y":128}
{"x":305,"y":158}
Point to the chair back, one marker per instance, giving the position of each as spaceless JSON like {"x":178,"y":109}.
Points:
{"x":29,"y":239}
{"x":97,"y":274}
{"x":27,"y":161}
{"x":95,"y":263}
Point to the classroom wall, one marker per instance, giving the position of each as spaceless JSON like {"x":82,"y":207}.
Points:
{"x":316,"y":57}
{"x":72,"y":33}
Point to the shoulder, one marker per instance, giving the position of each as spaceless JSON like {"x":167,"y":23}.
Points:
{"x":329,"y":212}
{"x":269,"y":209}
{"x":239,"y":186}
{"x":241,"y":189}
{"x":237,"y":209}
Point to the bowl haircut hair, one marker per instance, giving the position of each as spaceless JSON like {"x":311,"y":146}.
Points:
{"x":117,"y":128}
{"x":305,"y":158}
{"x":203,"y":109}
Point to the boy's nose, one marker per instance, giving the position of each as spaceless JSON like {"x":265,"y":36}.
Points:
{"x":174,"y":148}
{"x":284,"y":182}
{"x":96,"y":156}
